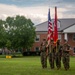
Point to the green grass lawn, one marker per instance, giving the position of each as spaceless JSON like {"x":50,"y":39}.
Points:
{"x":31,"y":66}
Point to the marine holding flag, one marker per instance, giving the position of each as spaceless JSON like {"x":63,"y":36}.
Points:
{"x":50,"y":42}
{"x":57,"y":43}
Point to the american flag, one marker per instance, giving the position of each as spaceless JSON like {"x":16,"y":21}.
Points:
{"x":50,"y":31}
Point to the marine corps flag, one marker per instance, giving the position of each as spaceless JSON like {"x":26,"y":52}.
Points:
{"x":55,"y":34}
{"x":50,"y":31}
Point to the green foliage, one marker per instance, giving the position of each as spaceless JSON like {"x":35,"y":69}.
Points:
{"x":2,"y":34}
{"x":8,"y":44}
{"x":17,"y":32}
{"x":31,"y":66}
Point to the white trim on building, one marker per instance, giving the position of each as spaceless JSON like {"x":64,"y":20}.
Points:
{"x":70,"y":29}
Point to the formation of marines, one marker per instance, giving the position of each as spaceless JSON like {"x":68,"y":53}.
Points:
{"x":54,"y":52}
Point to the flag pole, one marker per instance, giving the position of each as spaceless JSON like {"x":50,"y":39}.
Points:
{"x":55,"y":29}
{"x":49,"y":36}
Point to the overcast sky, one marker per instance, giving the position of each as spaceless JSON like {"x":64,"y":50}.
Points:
{"x":37,"y":10}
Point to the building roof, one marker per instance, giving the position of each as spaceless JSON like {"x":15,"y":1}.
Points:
{"x":64,"y":23}
{"x":70,"y":29}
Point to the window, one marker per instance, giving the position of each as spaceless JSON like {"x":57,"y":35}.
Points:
{"x":74,"y":49}
{"x":58,"y":24}
{"x":37,"y":49}
{"x":74,"y":37}
{"x":59,"y":36}
{"x":37,"y":38}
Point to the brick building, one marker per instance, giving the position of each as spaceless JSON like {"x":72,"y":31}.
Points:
{"x":66,"y":30}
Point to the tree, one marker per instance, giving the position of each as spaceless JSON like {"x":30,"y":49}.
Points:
{"x":19,"y":32}
{"x":2,"y":35}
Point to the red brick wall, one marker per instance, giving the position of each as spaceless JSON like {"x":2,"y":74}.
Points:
{"x":71,"y":42}
{"x":37,"y":44}
{"x":44,"y":36}
{"x":70,"y":39}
